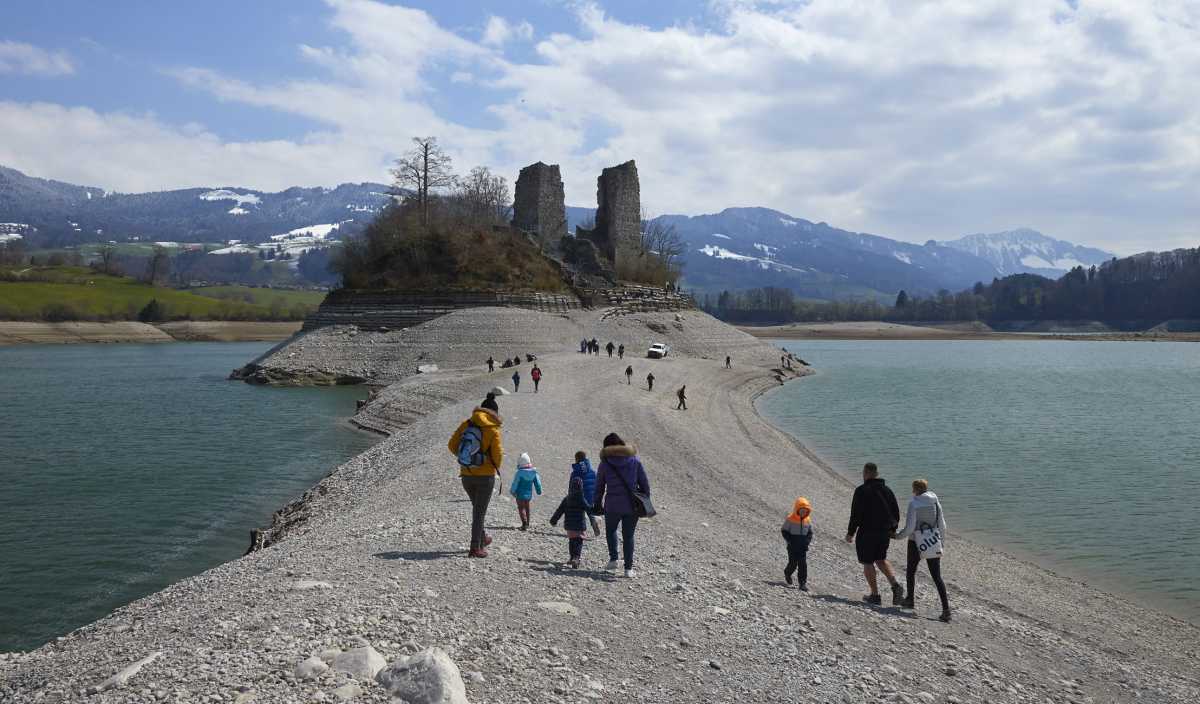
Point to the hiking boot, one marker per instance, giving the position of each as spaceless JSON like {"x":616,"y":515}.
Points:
{"x":573,"y":564}
{"x":873,"y":599}
{"x":630,"y":574}
{"x":804,"y":586}
{"x":787,"y":577}
{"x":897,"y":594}
{"x":612,"y":565}
{"x":487,"y":540}
{"x":908,"y":603}
{"x":524,"y":527}
{"x":478,"y":552}
{"x":945,"y":617}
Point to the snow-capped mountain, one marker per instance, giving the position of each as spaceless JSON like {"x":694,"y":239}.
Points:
{"x":1027,"y":251}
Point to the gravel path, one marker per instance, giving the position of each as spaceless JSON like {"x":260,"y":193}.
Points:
{"x":379,"y":560}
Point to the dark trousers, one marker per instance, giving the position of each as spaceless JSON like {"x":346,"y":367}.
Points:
{"x":575,"y":547}
{"x":536,"y":383}
{"x":935,"y":573}
{"x":798,"y":563}
{"x":682,"y":404}
{"x":628,"y":524}
{"x":523,"y":511}
{"x":479,"y":490}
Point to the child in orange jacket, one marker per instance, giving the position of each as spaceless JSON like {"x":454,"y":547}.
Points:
{"x":797,"y":531}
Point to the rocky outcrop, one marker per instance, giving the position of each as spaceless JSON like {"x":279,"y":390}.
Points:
{"x":396,"y":310}
{"x":539,"y":204}
{"x":588,"y":269}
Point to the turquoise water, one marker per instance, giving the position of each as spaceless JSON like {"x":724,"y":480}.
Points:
{"x":1081,"y":455}
{"x":124,"y":468}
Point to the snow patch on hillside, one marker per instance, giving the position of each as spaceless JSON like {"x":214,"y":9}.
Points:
{"x":318,"y":232}
{"x":724,"y":237}
{"x":226,"y":194}
{"x":238,"y":210}
{"x":789,"y":223}
{"x":10,"y":237}
{"x":765,"y":264}
{"x":902,"y":257}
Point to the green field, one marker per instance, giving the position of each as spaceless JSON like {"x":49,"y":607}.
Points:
{"x":78,"y":293}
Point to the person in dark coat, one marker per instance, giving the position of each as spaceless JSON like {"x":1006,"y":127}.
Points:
{"x":620,"y":351}
{"x":491,"y":364}
{"x":610,"y":347}
{"x":874,"y":518}
{"x":650,"y":381}
{"x":574,"y":510}
{"x":682,"y":394}
{"x":629,"y":375}
{"x":620,"y":472}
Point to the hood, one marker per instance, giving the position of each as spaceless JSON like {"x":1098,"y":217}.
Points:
{"x":576,"y":487}
{"x":618,"y":454}
{"x":584,"y":465}
{"x":524,"y":462}
{"x":527,"y":472}
{"x":485,"y":418}
{"x":801,"y":512}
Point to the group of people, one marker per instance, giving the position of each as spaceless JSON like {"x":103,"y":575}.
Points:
{"x":535,"y":374}
{"x":592,"y":346}
{"x":874,"y":524}
{"x":609,"y":491}
{"x":509,"y":363}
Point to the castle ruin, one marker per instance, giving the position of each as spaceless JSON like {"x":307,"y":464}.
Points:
{"x":539,"y":204}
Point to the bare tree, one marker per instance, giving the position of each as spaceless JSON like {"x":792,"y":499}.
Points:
{"x":484,"y":196}
{"x":662,"y":241}
{"x":108,"y":259}
{"x":424,"y":170}
{"x":159,"y":265}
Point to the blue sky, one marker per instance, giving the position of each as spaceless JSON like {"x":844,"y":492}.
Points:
{"x":913,"y":120}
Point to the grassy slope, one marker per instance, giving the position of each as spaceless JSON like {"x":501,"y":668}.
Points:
{"x":90,"y":296}
{"x":261,"y":296}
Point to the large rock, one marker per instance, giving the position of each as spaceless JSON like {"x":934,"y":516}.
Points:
{"x":429,"y":677}
{"x":363,"y":663}
{"x":311,"y":668}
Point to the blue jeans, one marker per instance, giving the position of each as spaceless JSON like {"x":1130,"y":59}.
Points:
{"x":628,"y":524}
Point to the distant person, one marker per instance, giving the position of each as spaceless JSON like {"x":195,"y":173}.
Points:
{"x":650,"y":381}
{"x":682,"y":394}
{"x":573,"y":509}
{"x":507,"y":364}
{"x":583,"y":346}
{"x":524,"y":483}
{"x":621,"y":473}
{"x":728,"y":361}
{"x":874,"y":517}
{"x":516,"y":380}
{"x":629,"y":375}
{"x":477,"y":445}
{"x":925,"y":528}
{"x":595,"y":347}
{"x":582,"y":470}
{"x":610,"y":347}
{"x":491,"y":364}
{"x":517,"y":361}
{"x":798,"y":534}
{"x":536,"y":375}
{"x":621,"y":352}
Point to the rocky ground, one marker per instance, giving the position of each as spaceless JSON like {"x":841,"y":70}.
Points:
{"x":377,"y":560}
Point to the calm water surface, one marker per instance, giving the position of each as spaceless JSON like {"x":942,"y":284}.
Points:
{"x":124,"y":468}
{"x":1082,"y":455}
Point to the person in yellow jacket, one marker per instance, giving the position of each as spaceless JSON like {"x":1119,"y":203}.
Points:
{"x":480,"y":453}
{"x":798,"y":533}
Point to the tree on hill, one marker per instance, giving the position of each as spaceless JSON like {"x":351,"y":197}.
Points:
{"x":159,"y":266}
{"x":423,"y":170}
{"x":152,"y":312}
{"x":902,"y":299}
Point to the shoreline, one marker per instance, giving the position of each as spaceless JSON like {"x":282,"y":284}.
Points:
{"x":857,"y":331}
{"x":374,"y":555}
{"x":995,"y":544}
{"x":131,"y":332}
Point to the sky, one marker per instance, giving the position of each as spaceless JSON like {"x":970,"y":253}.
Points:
{"x":914,"y":120}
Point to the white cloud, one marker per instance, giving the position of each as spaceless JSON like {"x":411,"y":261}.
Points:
{"x":917,"y":120}
{"x":21,"y":58}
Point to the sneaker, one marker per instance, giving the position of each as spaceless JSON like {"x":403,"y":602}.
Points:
{"x":573,"y":564}
{"x":787,"y":577}
{"x":804,"y":586}
{"x":945,"y":617}
{"x":908,"y":603}
{"x":630,"y":574}
{"x":487,"y":540}
{"x":612,"y":565}
{"x":524,"y":527}
{"x":897,"y":594}
{"x":873,"y":599}
{"x":478,"y":552}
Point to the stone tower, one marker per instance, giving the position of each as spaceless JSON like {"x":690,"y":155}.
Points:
{"x":618,"y":230}
{"x":538,"y":204}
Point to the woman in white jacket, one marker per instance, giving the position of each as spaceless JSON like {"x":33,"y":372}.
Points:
{"x":925,"y":521}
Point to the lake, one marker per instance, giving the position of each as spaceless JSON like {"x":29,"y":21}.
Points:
{"x":128,"y":467}
{"x":1080,"y":455}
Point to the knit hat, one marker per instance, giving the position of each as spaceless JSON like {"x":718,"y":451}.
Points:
{"x":490,"y":403}
{"x":613,"y":439}
{"x":524,"y":462}
{"x":801,"y":512}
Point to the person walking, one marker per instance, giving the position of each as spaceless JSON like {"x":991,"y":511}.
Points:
{"x":477,"y":445}
{"x":621,"y":473}
{"x":536,"y":375}
{"x":925,"y":528}
{"x":621,"y":352}
{"x":798,"y":534}
{"x":574,"y":508}
{"x":629,"y":375}
{"x":524,"y":483}
{"x":516,"y":380}
{"x":583,"y":345}
{"x":491,"y":364}
{"x":728,"y":361}
{"x":610,"y":347}
{"x":874,"y":517}
{"x":682,"y":394}
{"x":650,"y":381}
{"x":582,"y":470}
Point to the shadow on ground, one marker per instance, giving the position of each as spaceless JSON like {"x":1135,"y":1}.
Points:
{"x":419,"y":556}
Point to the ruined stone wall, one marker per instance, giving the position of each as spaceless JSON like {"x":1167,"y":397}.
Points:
{"x":395,"y":310}
{"x":539,"y":204}
{"x":618,"y":212}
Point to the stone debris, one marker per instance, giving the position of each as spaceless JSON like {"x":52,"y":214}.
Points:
{"x":363,"y":662}
{"x":429,"y":677}
{"x":311,"y":668}
{"x":561,"y":608}
{"x":124,"y":675}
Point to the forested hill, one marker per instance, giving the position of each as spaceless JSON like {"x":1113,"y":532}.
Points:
{"x":1155,"y":286}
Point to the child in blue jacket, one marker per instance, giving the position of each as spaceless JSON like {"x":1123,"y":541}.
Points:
{"x":523,"y":486}
{"x":582,"y":470}
{"x":573,"y":509}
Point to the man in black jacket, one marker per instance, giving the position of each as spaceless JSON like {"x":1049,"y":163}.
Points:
{"x":874,"y":517}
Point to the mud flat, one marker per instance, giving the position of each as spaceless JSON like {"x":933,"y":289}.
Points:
{"x":17,"y":333}
{"x":374,"y":556}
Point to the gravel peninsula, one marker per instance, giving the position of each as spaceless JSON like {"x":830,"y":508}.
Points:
{"x":370,"y":565}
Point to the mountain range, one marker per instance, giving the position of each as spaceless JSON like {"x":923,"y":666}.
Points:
{"x":736,"y":248}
